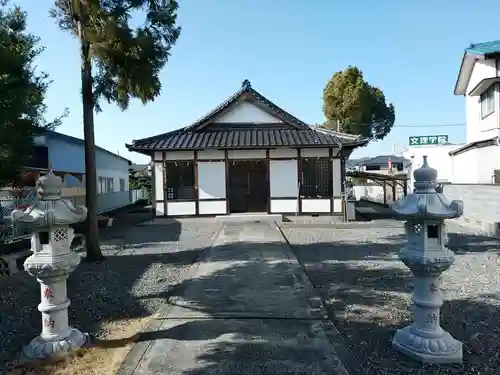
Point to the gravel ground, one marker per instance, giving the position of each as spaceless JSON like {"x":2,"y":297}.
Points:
{"x":367,"y":292}
{"x":144,"y":263}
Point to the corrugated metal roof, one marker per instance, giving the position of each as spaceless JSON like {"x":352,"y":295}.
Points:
{"x":384,"y":160}
{"x":271,"y":138}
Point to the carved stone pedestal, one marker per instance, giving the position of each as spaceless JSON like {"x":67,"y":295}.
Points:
{"x":428,"y":347}
{"x":56,"y":336}
{"x":51,"y":263}
{"x":426,"y":255}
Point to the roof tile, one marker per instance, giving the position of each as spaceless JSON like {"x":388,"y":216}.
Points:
{"x":240,"y":139}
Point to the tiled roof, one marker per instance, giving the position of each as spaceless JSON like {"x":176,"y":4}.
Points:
{"x":248,"y":93}
{"x":290,"y":133}
{"x":484,"y":48}
{"x":188,"y":140}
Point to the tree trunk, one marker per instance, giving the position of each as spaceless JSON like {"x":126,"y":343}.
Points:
{"x":91,"y":230}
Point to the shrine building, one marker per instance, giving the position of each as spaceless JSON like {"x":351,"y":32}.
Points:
{"x":248,"y":156}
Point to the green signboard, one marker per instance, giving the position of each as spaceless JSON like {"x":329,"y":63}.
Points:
{"x":426,"y":140}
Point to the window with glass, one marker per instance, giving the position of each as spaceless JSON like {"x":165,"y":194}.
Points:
{"x":488,"y":102}
{"x":110,"y":185}
{"x":180,"y":180}
{"x":316,"y":178}
{"x":122,"y":184}
{"x":105,"y":185}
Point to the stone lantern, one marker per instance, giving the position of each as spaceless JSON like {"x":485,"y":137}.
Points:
{"x":427,"y":256}
{"x":51,"y":263}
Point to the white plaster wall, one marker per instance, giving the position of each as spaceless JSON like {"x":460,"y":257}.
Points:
{"x":283,"y":153}
{"x":476,"y":165}
{"x":210,"y":154}
{"x":315,"y":205}
{"x":211,"y":180}
{"x":283,"y":178}
{"x":337,"y":177}
{"x":158,"y":181}
{"x":158,"y":156}
{"x":246,"y":112}
{"x":465,"y":167}
{"x":337,"y":205}
{"x":438,"y":158}
{"x":478,"y":128}
{"x":314,"y":152}
{"x":373,"y":193}
{"x":181,"y":208}
{"x":482,"y":69}
{"x":284,"y":206}
{"x":160,"y":209}
{"x":246,"y":154}
{"x":179,"y":155}
{"x":212,"y":207}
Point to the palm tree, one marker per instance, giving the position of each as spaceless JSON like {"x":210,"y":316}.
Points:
{"x":118,"y":63}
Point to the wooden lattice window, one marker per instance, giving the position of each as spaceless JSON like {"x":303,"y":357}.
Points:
{"x":316,"y":178}
{"x":180,"y":180}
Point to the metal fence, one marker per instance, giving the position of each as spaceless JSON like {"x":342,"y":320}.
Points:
{"x":107,"y":202}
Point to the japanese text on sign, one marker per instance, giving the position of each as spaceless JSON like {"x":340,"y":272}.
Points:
{"x":424,"y":140}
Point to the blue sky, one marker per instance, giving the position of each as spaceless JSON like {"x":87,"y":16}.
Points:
{"x":288,"y":49}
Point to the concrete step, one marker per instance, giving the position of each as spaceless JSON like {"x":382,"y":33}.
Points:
{"x":249,"y":218}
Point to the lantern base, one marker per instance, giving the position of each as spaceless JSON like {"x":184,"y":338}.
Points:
{"x":39,"y":348}
{"x":440,"y":348}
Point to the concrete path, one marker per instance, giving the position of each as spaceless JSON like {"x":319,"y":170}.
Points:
{"x":248,"y":309}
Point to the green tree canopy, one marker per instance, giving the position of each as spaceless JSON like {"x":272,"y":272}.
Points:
{"x":353,"y":106}
{"x":21,"y":93}
{"x":119,"y":62}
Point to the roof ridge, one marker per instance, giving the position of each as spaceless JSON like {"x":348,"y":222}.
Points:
{"x":246,"y":88}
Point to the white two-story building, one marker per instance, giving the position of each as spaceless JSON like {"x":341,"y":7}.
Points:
{"x":478,"y":161}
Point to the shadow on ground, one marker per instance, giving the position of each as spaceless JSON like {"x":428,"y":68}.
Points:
{"x":367,"y":304}
{"x":367,"y":293}
{"x":142,"y":262}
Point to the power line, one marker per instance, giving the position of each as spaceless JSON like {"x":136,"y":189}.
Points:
{"x":429,"y":126}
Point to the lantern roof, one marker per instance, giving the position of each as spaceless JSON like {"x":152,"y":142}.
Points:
{"x":50,"y":210}
{"x":427,"y":201}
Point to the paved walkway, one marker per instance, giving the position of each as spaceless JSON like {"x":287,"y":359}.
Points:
{"x":248,"y":309}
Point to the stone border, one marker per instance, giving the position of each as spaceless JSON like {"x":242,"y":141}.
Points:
{"x":140,"y":348}
{"x":347,"y":364}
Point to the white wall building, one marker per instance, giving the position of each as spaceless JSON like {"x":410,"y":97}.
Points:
{"x":438,"y":156}
{"x":248,"y":155}
{"x":478,"y":161}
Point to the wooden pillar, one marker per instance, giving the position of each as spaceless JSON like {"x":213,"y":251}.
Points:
{"x":196,"y":190}
{"x":385,"y":192}
{"x":153,"y":190}
{"x":164,"y":178}
{"x":268,"y":181}
{"x":299,"y":182}
{"x":226,"y":160}
{"x":332,"y":179}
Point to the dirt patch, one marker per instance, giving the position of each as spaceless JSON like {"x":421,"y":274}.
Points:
{"x":103,"y":357}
